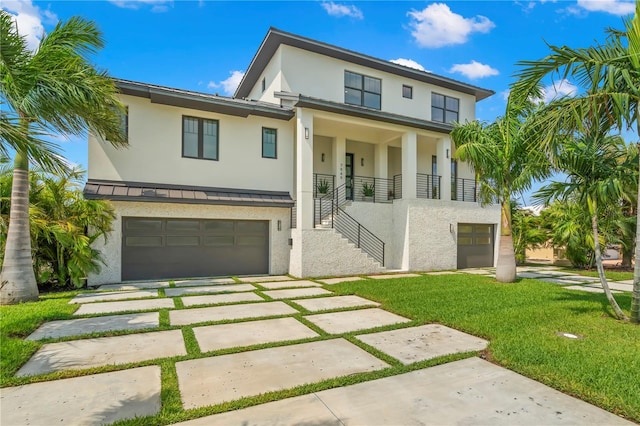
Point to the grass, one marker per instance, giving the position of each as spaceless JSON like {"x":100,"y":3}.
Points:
{"x":520,"y":320}
{"x":611,"y":275}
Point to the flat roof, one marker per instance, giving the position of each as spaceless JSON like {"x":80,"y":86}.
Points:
{"x":276,"y":37}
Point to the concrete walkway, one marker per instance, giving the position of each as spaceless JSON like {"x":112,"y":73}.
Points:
{"x":312,"y":335}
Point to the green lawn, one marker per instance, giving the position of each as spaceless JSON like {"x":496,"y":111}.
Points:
{"x":611,"y":275}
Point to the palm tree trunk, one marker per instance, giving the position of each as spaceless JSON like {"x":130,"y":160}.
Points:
{"x":18,"y":280}
{"x":603,"y":280}
{"x":506,"y":264}
{"x":635,"y":296}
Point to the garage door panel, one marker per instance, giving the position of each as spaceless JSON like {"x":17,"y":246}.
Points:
{"x":175,"y":248}
{"x":475,"y":245}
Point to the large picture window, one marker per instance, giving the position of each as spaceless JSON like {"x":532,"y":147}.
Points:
{"x":362,"y":90}
{"x":269,"y":143}
{"x":199,"y":138}
{"x":444,"y":108}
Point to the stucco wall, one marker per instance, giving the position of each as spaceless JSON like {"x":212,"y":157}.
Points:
{"x":112,"y":249}
{"x":154,"y":153}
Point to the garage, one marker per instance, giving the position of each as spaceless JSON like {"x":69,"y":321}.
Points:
{"x":475,"y":245}
{"x":161,"y":248}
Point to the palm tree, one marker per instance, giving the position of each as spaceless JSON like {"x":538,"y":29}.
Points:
{"x":597,"y":168}
{"x":610,"y":73}
{"x":54,"y":89}
{"x":504,"y":165}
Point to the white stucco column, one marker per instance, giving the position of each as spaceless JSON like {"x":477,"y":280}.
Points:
{"x":444,"y":167}
{"x":409,"y":165}
{"x":381,"y":161}
{"x":339,"y":151}
{"x":304,"y":169}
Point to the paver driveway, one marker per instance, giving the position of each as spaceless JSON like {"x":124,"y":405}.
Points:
{"x":311,"y":335}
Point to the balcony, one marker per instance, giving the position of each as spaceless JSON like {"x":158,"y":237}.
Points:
{"x":464,"y":190}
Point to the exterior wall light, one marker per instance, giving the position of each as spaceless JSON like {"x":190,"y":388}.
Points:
{"x":362,"y":162}
{"x":447,"y":152}
{"x":306,"y":133}
{"x":322,"y":157}
{"x":279,"y":225}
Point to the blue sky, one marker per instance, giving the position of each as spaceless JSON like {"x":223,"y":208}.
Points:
{"x":207,"y":45}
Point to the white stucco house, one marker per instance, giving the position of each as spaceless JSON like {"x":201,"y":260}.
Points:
{"x":324,"y":162}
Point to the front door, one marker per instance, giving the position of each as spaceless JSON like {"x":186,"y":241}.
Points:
{"x":348,"y":176}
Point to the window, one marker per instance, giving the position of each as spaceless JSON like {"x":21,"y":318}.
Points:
{"x":124,"y":123}
{"x":362,"y":90}
{"x":199,"y":138}
{"x":407,"y":91}
{"x":269,"y":143}
{"x":264,"y":84}
{"x":444,"y":109}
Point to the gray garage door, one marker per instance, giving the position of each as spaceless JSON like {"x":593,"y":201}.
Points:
{"x":475,"y":245}
{"x":158,"y":248}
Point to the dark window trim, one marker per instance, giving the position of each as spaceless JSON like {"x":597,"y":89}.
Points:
{"x":363,"y":91}
{"x":444,"y":109}
{"x":275,"y":157}
{"x":406,"y":86}
{"x":201,"y":138}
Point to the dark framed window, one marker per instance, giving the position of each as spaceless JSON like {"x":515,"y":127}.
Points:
{"x":444,"y":108}
{"x":362,"y":90}
{"x":269,"y":143}
{"x":407,"y":91}
{"x":199,"y":138}
{"x":124,"y":123}
{"x":264,"y":84}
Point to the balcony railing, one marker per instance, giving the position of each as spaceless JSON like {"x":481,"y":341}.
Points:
{"x":293,"y":219}
{"x":428,"y":186}
{"x":397,"y":187}
{"x":464,"y":190}
{"x":323,"y":185}
{"x":370,"y":189}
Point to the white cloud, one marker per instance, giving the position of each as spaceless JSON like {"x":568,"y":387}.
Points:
{"x":29,"y":19}
{"x":339,"y":10}
{"x":614,"y":7}
{"x":505,"y":94}
{"x":229,"y":85}
{"x":438,"y":26}
{"x":558,"y":89}
{"x":408,"y":63}
{"x":474,"y":70}
{"x":156,"y":5}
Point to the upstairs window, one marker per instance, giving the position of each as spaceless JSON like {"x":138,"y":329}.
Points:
{"x":444,"y":109}
{"x":362,"y":90}
{"x":124,"y":123}
{"x":269,"y":143}
{"x":407,"y":91}
{"x":199,"y":138}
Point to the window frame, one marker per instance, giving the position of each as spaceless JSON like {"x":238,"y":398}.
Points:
{"x":444,"y":108}
{"x":201,"y":122}
{"x":362,"y":90}
{"x":410,"y":88}
{"x":275,"y":151}
{"x":263,"y":84}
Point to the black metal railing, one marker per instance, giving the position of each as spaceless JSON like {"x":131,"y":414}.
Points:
{"x":464,"y":190}
{"x":323,"y":185}
{"x":397,"y":187}
{"x":428,"y":186}
{"x":293,"y":219}
{"x":372,"y":190}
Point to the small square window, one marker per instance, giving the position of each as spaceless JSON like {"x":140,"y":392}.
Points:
{"x":269,"y":143}
{"x":407,"y":91}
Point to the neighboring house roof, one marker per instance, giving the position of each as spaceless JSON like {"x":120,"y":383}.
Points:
{"x":276,"y":37}
{"x":202,"y":101}
{"x":164,"y":193}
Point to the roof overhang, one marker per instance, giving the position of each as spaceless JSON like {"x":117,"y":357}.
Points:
{"x":202,"y":101}
{"x":182,"y":194}
{"x":276,"y":37}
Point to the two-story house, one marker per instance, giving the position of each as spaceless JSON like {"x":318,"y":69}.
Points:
{"x":324,"y":162}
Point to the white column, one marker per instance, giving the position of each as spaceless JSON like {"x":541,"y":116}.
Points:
{"x":409,"y":165}
{"x":339,"y":152}
{"x":444,"y":167}
{"x":304,"y":169}
{"x":381,"y":161}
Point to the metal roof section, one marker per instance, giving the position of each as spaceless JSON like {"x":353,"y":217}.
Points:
{"x":202,"y":101}
{"x":276,"y":37}
{"x":165,"y":193}
{"x":372,"y":114}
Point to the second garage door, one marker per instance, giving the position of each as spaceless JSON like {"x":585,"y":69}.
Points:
{"x":475,"y":245}
{"x":159,"y":248}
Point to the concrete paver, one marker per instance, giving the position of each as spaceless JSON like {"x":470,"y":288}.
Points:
{"x":211,"y":281}
{"x":614,"y":286}
{"x":220,"y":288}
{"x":230,"y":312}
{"x":265,"y":278}
{"x":589,"y":289}
{"x":89,"y":400}
{"x":392,"y":276}
{"x":581,"y":278}
{"x":630,"y":282}
{"x":337,"y":302}
{"x":560,"y":280}
{"x":78,"y":327}
{"x":296,"y":292}
{"x":223,"y":336}
{"x":129,"y":305}
{"x":476,"y":271}
{"x":134,"y":285}
{"x":532,"y":274}
{"x":442,"y":273}
{"x":216,"y":299}
{"x":409,"y":345}
{"x":289,"y":284}
{"x":331,"y":281}
{"x":89,"y":353}
{"x":115,"y":295}
{"x":362,"y":319}
{"x":213,"y":380}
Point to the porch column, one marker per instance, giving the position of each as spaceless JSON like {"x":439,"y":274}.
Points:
{"x":444,"y":167}
{"x":409,"y":165}
{"x":339,"y":151}
{"x":304,"y":169}
{"x":381,"y":161}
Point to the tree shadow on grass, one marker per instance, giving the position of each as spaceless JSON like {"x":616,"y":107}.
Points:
{"x":588,"y":300}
